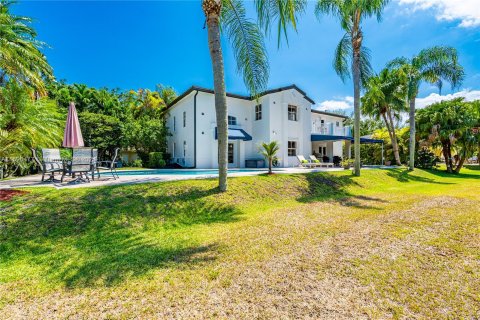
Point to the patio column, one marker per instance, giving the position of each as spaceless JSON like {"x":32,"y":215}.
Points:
{"x":383,"y":158}
{"x":348,"y":149}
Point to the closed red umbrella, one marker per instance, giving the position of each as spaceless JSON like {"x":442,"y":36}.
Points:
{"x":72,"y":137}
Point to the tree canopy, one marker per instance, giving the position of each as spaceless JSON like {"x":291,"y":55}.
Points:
{"x":451,"y":124}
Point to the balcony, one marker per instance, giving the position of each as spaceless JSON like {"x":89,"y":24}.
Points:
{"x":331,"y":130}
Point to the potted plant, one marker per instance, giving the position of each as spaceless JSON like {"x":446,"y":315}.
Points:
{"x":346,"y":163}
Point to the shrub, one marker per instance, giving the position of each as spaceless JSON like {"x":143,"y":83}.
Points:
{"x":426,"y":159}
{"x":155,"y":160}
{"x":325,"y":159}
{"x":137,"y":163}
{"x":346,"y":163}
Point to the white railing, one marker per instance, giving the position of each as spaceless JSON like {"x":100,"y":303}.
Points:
{"x":331,"y":129}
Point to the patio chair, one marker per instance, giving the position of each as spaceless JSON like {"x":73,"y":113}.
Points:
{"x":304,"y":163}
{"x":50,"y":164}
{"x":94,"y":162}
{"x":320,"y":163}
{"x":110,"y":165}
{"x":81,"y":164}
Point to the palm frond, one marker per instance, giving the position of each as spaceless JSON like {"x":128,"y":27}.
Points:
{"x":438,"y":64}
{"x":248,"y":46}
{"x":284,"y":12}
{"x":20,"y":55}
{"x":366,"y":70}
{"x":342,"y":57}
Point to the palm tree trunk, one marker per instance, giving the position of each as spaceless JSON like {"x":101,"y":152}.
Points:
{"x":411,"y":147}
{"x":219,"y":89}
{"x":356,"y":104}
{"x":270,"y":160}
{"x":387,"y":124}
{"x":460,"y":164}
{"x":393,"y":137}
{"x":447,"y":154}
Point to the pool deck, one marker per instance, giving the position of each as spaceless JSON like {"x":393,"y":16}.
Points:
{"x":107,"y":180}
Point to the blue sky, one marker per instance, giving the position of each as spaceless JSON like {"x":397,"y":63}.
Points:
{"x":129,"y":45}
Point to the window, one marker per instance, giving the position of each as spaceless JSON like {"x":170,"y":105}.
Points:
{"x":184,"y":119}
{"x":292,"y":113}
{"x":322,"y":150}
{"x":338,"y":124}
{"x":232,"y":121}
{"x":174,"y":123}
{"x":258,"y":112}
{"x":292,"y":148}
{"x":230,"y":153}
{"x":184,"y":149}
{"x":322,"y":122}
{"x":173,"y":151}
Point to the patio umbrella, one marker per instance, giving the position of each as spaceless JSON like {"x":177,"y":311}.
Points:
{"x":72,"y":137}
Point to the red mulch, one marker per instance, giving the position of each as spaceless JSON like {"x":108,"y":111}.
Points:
{"x":7,"y":194}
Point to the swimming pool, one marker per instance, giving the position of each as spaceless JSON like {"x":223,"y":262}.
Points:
{"x":181,"y":172}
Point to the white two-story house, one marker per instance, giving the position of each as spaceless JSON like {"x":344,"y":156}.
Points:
{"x":284,"y":115}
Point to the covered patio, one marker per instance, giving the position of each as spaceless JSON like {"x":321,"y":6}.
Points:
{"x":324,"y":145}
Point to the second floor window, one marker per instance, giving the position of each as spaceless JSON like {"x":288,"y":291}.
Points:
{"x":174,"y":123}
{"x":184,"y":119}
{"x":292,"y":113}
{"x":232,"y":121}
{"x":258,"y":112}
{"x":338,"y":123}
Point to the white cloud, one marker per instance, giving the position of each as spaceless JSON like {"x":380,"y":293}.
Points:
{"x":339,"y":104}
{"x":467,"y":11}
{"x":435,"y":97}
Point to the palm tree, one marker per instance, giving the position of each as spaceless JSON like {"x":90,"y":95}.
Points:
{"x":27,"y":123}
{"x":20,"y":55}
{"x":385,"y":98}
{"x":249,"y":51}
{"x":350,"y":50}
{"x":269,"y":151}
{"x":434,"y":65}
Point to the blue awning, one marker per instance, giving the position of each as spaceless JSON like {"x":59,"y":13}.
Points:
{"x":327,"y":137}
{"x":236,"y":134}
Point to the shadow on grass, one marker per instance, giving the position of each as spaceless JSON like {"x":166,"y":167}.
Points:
{"x":103,"y":236}
{"x":461,"y":175}
{"x":406,"y":176}
{"x":327,"y":187}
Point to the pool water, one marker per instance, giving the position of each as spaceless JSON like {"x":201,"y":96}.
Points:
{"x":184,"y":172}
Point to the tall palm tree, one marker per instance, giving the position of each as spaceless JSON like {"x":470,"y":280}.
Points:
{"x":249,"y":51}
{"x":20,"y":55}
{"x":385,"y":98}
{"x":433,"y":65}
{"x":350,"y":51}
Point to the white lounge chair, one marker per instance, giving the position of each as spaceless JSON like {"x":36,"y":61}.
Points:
{"x":304,"y":163}
{"x":320,"y":163}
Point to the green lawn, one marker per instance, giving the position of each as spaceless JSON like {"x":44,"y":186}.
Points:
{"x":389,"y":244}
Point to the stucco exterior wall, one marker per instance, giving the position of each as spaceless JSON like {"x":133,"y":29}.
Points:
{"x":273,"y":125}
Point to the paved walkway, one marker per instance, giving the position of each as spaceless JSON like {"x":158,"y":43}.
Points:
{"x":107,"y":180}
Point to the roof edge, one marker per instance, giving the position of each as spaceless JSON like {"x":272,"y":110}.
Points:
{"x":239,"y":96}
{"x":330,"y":114}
